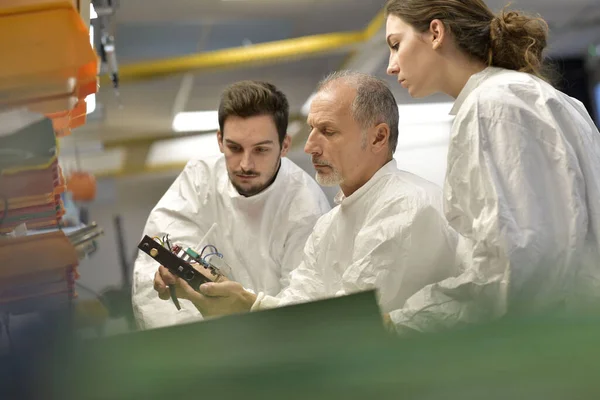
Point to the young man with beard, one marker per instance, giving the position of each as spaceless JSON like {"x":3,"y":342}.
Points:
{"x":263,"y":207}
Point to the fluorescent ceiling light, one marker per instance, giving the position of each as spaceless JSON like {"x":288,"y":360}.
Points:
{"x":294,"y":127}
{"x":183,"y":149}
{"x":306,"y":107}
{"x":196,"y":121}
{"x":92,"y":35}
{"x":90,"y":101}
{"x":93,"y":14}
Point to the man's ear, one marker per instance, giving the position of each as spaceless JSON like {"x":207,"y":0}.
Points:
{"x":220,"y":139}
{"x":438,"y":33}
{"x":380,"y":138}
{"x":285,"y":146}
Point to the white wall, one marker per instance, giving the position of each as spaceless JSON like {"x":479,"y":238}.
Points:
{"x":423,"y":148}
{"x":423,"y":137}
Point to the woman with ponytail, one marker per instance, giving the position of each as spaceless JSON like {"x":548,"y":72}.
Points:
{"x":523,"y":174}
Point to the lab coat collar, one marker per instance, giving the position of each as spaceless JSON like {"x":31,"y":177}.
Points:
{"x":474,"y":81}
{"x":340,"y":199}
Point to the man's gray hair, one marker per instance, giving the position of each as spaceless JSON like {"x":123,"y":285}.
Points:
{"x":374,"y":102}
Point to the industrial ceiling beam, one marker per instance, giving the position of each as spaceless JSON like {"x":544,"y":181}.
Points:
{"x":366,"y":44}
{"x":243,"y":56}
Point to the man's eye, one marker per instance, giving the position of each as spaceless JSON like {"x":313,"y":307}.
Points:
{"x":262,"y":149}
{"x":235,"y":149}
{"x":328,"y":133}
{"x":394,"y":47}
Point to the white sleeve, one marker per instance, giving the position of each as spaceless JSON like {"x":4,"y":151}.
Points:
{"x":404,"y":247}
{"x":265,"y":302}
{"x":507,"y":197}
{"x":178,"y":214}
{"x":306,"y":283}
{"x":303,"y":215}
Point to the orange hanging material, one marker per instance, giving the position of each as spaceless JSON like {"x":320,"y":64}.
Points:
{"x":82,"y":185}
{"x":63,"y":122}
{"x":61,"y":68}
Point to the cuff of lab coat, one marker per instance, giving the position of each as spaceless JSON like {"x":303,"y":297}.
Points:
{"x":401,"y":324}
{"x":264,"y":302}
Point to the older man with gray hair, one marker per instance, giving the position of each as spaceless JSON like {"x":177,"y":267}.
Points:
{"x":387,"y":232}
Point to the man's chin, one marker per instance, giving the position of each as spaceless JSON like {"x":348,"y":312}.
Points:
{"x":248,"y":191}
{"x":327,"y":180}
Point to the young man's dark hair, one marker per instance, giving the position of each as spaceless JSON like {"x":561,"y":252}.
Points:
{"x":251,"y":98}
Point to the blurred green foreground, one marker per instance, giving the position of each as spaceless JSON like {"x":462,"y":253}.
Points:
{"x":328,"y":350}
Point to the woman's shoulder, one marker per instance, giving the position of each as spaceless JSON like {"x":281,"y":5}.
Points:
{"x":507,"y":93}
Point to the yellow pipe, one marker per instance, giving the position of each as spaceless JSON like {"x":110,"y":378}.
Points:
{"x":243,"y":56}
{"x":233,"y":57}
{"x":374,"y":26}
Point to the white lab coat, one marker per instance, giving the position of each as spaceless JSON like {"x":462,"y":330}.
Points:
{"x":389,"y":235}
{"x":523,"y":190}
{"x":261,"y":237}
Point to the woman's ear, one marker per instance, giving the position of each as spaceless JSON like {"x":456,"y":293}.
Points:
{"x":438,"y":31}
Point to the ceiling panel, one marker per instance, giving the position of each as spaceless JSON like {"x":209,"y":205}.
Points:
{"x":143,"y":108}
{"x":147,"y":41}
{"x":337,"y":16}
{"x":235,"y":33}
{"x":158,"y":29}
{"x":218,"y":10}
{"x":297,"y":79}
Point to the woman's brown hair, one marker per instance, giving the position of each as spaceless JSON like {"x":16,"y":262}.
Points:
{"x":511,"y":40}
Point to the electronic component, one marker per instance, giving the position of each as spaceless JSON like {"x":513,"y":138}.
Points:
{"x":177,"y":261}
{"x":174,"y":263}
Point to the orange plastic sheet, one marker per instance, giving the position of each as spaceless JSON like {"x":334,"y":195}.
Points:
{"x":35,"y":254}
{"x":48,"y":63}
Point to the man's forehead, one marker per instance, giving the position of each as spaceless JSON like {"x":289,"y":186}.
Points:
{"x":250,"y":131}
{"x":334,"y":98}
{"x":339,"y":89}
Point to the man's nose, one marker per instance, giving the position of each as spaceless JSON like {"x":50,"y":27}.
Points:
{"x":247,"y":162}
{"x":311,"y":146}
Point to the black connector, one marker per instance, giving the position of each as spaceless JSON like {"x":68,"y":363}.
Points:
{"x":174,"y":264}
